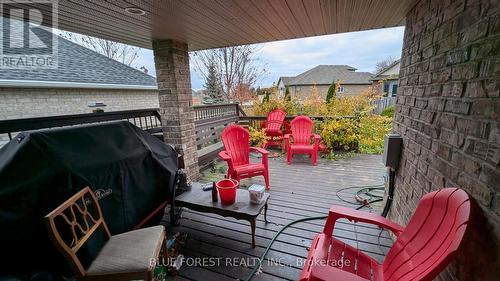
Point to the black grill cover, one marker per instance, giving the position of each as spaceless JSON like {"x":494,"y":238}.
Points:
{"x":131,"y":171}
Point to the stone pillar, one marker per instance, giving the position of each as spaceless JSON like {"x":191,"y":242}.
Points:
{"x":175,"y":99}
{"x":447,"y":111}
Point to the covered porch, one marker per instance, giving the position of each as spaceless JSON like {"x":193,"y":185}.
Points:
{"x":297,"y":191}
{"x":446,"y":113}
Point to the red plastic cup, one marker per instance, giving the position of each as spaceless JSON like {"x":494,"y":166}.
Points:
{"x":227,"y":190}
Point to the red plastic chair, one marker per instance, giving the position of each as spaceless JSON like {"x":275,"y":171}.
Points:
{"x":237,"y":155}
{"x":275,"y":120}
{"x":302,"y":127}
{"x":422,"y":249}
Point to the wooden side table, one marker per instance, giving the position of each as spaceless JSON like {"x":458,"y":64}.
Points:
{"x":198,"y":200}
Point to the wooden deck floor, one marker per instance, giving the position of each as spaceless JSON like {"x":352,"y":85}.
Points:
{"x":297,"y":191}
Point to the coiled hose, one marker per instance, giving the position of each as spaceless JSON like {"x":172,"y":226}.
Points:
{"x":367,"y":188}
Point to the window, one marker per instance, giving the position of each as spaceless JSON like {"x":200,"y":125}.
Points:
{"x":386,"y":88}
{"x":297,"y":89}
{"x":394,"y":90}
{"x":340,"y":90}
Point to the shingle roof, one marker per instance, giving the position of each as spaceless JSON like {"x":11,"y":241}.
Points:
{"x":326,"y":74}
{"x":78,"y":64}
{"x":380,"y":76}
{"x":286,"y":80}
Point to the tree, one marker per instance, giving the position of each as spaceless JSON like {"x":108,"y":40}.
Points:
{"x":236,"y":67}
{"x":332,"y":92}
{"x":123,"y":53}
{"x":266,"y":93}
{"x":288,"y":97}
{"x":383,"y":64}
{"x":313,"y":103}
{"x":213,"y":92}
{"x":243,"y":93}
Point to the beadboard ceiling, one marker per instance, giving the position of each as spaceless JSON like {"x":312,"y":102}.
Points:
{"x":205,"y":24}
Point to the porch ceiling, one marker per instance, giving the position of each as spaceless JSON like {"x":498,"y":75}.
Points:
{"x":205,"y":24}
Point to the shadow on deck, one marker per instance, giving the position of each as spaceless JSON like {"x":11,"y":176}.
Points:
{"x":297,"y":191}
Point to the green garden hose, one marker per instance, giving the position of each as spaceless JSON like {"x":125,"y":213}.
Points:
{"x":251,"y":275}
{"x":254,"y":270}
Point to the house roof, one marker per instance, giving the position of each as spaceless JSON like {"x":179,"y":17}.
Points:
{"x":326,"y":74}
{"x":380,"y":75}
{"x":77,"y":67}
{"x":286,"y":80}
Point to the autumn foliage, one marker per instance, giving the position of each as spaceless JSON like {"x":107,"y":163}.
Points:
{"x":348,"y":122}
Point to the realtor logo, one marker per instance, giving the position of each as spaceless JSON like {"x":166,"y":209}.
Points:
{"x":27,"y":40}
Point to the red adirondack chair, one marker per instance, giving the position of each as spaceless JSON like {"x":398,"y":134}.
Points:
{"x":275,"y":120}
{"x":422,"y":249}
{"x":302,"y":127}
{"x":237,"y":155}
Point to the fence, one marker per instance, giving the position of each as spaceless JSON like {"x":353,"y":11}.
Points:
{"x":147,"y":119}
{"x":209,"y":121}
{"x":383,"y":103}
{"x":260,"y":121}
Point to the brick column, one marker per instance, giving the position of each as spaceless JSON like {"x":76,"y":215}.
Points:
{"x":175,"y":99}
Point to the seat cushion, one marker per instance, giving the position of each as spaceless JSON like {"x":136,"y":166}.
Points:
{"x":301,"y":148}
{"x":249,"y":168}
{"x":129,"y":252}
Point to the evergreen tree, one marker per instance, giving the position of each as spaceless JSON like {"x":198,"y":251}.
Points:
{"x":267,"y":94}
{"x":332,"y":92}
{"x":213,"y":92}
{"x":288,"y":97}
{"x":207,"y":100}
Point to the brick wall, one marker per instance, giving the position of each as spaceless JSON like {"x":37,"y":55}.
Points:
{"x":448,"y":111}
{"x":24,"y":103}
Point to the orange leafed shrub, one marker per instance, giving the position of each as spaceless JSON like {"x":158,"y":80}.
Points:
{"x":258,"y":137}
{"x":262,"y":108}
{"x":348,"y":121}
{"x":314,"y":104}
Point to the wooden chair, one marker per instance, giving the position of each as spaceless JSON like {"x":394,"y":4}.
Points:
{"x":302,"y":127}
{"x":125,"y":256}
{"x":274,"y":122}
{"x":237,"y":155}
{"x":422,"y":249}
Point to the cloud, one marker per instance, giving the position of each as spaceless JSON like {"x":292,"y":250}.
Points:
{"x":361,"y":49}
{"x":358,"y":49}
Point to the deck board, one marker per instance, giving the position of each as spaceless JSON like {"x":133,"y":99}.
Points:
{"x":297,"y":191}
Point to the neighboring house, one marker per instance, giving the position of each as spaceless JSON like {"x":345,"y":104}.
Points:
{"x":351,"y":82}
{"x":83,"y":79}
{"x":283,"y":82}
{"x":390,"y":78}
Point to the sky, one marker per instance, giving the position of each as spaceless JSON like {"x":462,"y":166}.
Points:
{"x":361,"y":50}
